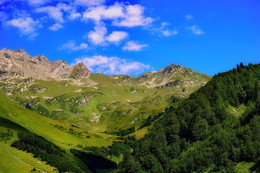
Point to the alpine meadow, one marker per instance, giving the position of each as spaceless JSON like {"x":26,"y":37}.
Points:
{"x":115,"y":86}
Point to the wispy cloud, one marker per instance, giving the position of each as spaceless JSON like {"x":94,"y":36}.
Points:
{"x":3,"y":1}
{"x":55,"y":27}
{"x":37,"y":2}
{"x":164,"y":30}
{"x":55,"y":12}
{"x":168,"y":33}
{"x":189,"y":17}
{"x":27,"y":26}
{"x":71,"y":46}
{"x":74,"y":15}
{"x":113,"y":65}
{"x":134,"y":46}
{"x":196,"y":30}
{"x":89,"y":2}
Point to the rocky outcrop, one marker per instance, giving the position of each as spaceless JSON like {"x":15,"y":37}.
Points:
{"x":20,"y":62}
{"x":168,"y":77}
{"x":80,"y":71}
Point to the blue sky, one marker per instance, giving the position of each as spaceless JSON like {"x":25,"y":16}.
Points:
{"x":132,"y":37}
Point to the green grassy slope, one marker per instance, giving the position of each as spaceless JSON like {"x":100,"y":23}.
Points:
{"x":102,"y":103}
{"x":16,"y":119}
{"x":54,"y":131}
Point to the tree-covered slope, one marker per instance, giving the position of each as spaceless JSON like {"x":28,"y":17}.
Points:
{"x":216,"y":129}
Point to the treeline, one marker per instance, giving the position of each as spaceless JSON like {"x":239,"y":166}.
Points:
{"x":94,"y":158}
{"x":93,"y":161}
{"x":122,"y":132}
{"x":116,"y":149}
{"x":46,"y":151}
{"x":202,"y":134}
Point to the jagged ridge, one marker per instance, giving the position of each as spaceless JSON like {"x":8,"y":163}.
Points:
{"x":19,"y":61}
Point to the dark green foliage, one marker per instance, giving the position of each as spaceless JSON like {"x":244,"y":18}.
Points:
{"x":202,"y":134}
{"x":123,"y":132}
{"x":118,"y":148}
{"x":10,"y":125}
{"x":45,"y":150}
{"x":6,"y":135}
{"x":148,"y":121}
{"x":94,"y":161}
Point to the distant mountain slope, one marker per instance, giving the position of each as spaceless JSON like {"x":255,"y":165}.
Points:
{"x":215,"y":130}
{"x":172,"y":75}
{"x":96,"y":102}
{"x":18,"y":61}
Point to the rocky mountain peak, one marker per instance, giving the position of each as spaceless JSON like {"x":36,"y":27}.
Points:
{"x":40,"y":59}
{"x":19,"y":61}
{"x":171,"y":68}
{"x":80,"y":70}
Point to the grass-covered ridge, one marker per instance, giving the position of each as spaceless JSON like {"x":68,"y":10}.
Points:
{"x":104,"y":103}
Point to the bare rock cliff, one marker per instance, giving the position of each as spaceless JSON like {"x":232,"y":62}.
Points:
{"x":20,"y":62}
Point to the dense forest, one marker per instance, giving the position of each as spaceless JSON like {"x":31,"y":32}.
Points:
{"x":213,"y":130}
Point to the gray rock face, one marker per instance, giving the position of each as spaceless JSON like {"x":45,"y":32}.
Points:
{"x":39,"y":67}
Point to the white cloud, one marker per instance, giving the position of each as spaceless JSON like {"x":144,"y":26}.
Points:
{"x":104,"y":12}
{"x":55,"y":27}
{"x":74,"y":15}
{"x":113,"y":65}
{"x":55,"y":12}
{"x":71,"y":46}
{"x":134,"y":46}
{"x":120,"y":14}
{"x":89,"y":2}
{"x":196,"y":30}
{"x":116,"y":36}
{"x":168,"y":33}
{"x":189,"y":17}
{"x":98,"y":35}
{"x":27,"y":26}
{"x":133,"y":16}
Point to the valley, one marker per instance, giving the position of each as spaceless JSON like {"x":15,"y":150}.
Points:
{"x":174,"y":119}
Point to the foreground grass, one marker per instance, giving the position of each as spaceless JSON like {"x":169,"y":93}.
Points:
{"x":14,"y":160}
{"x":59,"y":133}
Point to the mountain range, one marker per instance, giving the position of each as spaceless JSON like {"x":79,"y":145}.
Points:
{"x":56,"y":117}
{"x":73,"y":95}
